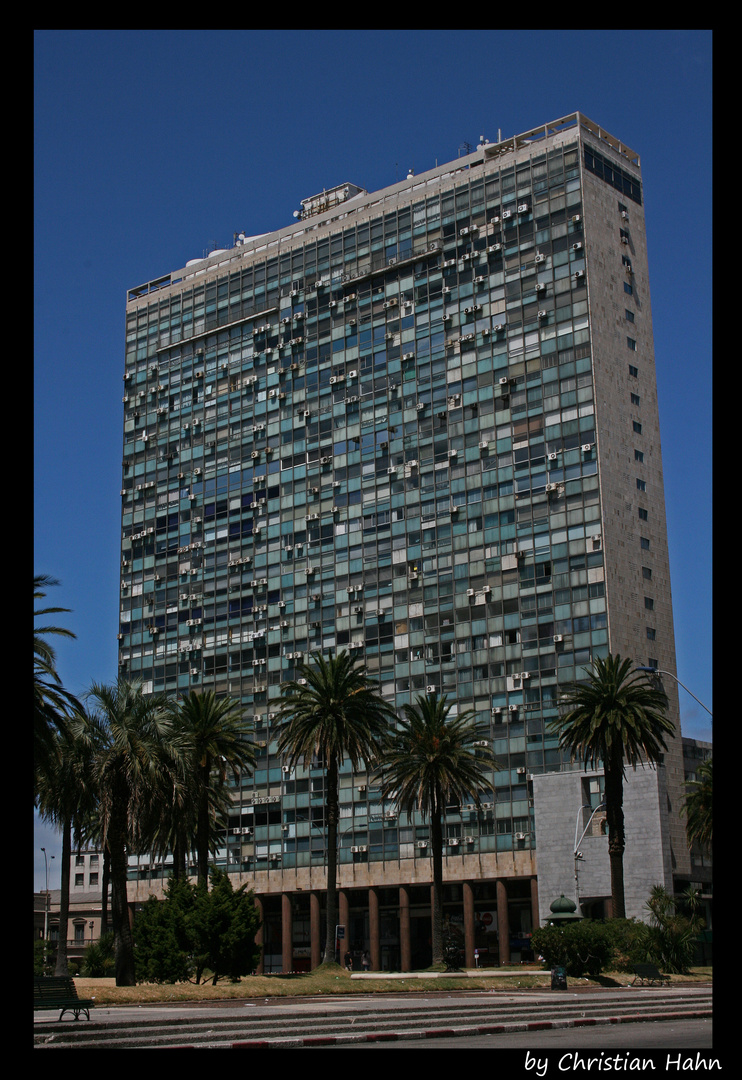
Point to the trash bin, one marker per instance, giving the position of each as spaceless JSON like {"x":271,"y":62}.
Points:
{"x":558,"y":978}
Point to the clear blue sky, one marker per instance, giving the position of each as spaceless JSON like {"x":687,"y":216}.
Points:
{"x":153,"y":146}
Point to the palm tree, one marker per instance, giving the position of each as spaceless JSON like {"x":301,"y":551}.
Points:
{"x":617,"y":717}
{"x":698,"y":806}
{"x":53,"y":705}
{"x":66,"y":799}
{"x":329,"y":712}
{"x":216,"y":735}
{"x":436,"y":759}
{"x":129,"y":736}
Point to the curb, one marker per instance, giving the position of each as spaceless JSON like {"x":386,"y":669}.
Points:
{"x":447,"y":1033}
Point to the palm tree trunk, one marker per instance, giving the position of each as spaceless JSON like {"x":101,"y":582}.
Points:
{"x":64,"y":899}
{"x":331,"y":806}
{"x":104,"y":892}
{"x":202,"y":834}
{"x":179,"y":860}
{"x":436,"y":839}
{"x":123,"y":942}
{"x":616,"y":835}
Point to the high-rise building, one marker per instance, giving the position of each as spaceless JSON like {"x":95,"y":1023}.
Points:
{"x":419,"y":424}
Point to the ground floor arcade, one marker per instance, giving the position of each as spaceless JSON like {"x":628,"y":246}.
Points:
{"x":390,"y":926}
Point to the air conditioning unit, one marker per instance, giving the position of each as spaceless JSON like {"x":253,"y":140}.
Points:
{"x":486,"y":589}
{"x":540,"y":258}
{"x":552,"y":457}
{"x":557,"y":638}
{"x":521,"y":771}
{"x":541,"y":287}
{"x":577,"y":246}
{"x":520,"y":836}
{"x":512,"y":708}
{"x":453,"y":841}
{"x":523,"y":208}
{"x":542,"y":314}
{"x":422,"y":843}
{"x":430,"y":689}
{"x":358,"y":850}
{"x":580,"y":274}
{"x":587,"y":447}
{"x":483,"y":445}
{"x":499,"y":327}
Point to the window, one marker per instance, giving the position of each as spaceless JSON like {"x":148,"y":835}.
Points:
{"x":641,"y":485}
{"x":637,"y":426}
{"x":651,"y":633}
{"x":629,"y":315}
{"x":644,"y":543}
{"x":635,"y":399}
{"x":631,"y":343}
{"x":633,"y":371}
{"x":638,"y":455}
{"x":649,"y":603}
{"x":647,"y":573}
{"x":643,"y":515}
{"x":627,"y":289}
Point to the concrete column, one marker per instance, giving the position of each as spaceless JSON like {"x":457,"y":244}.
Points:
{"x":468,"y":900}
{"x":534,"y":903}
{"x":260,"y":936}
{"x":315,"y":929}
{"x":343,"y":919}
{"x":405,"y":945}
{"x":503,"y":923}
{"x":373,"y":929}
{"x":287,"y":934}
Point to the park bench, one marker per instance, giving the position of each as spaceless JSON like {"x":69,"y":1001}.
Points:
{"x":59,"y":992}
{"x":648,"y":973}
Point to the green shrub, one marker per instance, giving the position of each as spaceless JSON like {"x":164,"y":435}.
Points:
{"x":582,"y":948}
{"x":669,"y":940}
{"x":98,"y":958}
{"x":194,"y":930}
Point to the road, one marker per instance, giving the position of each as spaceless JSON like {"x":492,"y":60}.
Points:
{"x":690,"y":1035}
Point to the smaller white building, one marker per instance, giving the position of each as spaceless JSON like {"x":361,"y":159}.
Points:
{"x":572,"y":844}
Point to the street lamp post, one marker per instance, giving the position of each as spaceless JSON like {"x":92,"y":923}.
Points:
{"x":659,"y":671}
{"x":577,"y":853}
{"x":46,"y":902}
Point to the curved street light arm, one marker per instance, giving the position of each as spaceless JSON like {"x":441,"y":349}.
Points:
{"x":659,"y":671}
